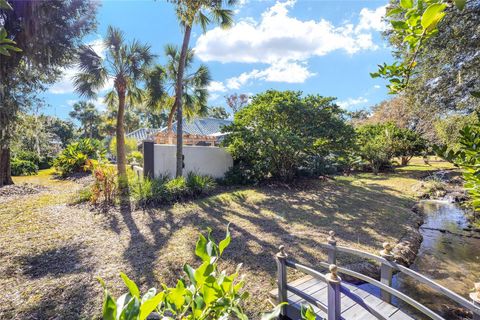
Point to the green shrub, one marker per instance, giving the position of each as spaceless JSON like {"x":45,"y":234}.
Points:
{"x":163,"y":190}
{"x":280,"y":133}
{"x":135,"y":156}
{"x":74,"y":157}
{"x":43,"y":162}
{"x":23,"y":167}
{"x":198,"y":184}
{"x":176,"y":189}
{"x":130,"y":146}
{"x":203,"y":293}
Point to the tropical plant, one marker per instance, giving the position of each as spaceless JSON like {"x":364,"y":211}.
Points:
{"x":280,"y":134}
{"x":407,"y":144}
{"x":414,"y":22}
{"x":123,"y":63}
{"x":161,"y":86}
{"x":189,"y":13}
{"x":105,"y":184}
{"x":48,"y":46}
{"x":75,"y":156}
{"x":23,"y":167}
{"x":199,"y":184}
{"x":89,"y":117}
{"x":203,"y":293}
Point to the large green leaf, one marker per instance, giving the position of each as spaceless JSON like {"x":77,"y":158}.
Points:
{"x":132,"y":287}
{"x":275,"y":313}
{"x":201,"y":248}
{"x":109,"y":308}
{"x":225,"y":242}
{"x":433,"y":15}
{"x":406,"y":4}
{"x":148,"y":306}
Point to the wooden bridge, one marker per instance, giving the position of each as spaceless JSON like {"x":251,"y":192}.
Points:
{"x":333,"y":299}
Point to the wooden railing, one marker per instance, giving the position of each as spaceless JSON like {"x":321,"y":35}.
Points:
{"x":387,"y":268}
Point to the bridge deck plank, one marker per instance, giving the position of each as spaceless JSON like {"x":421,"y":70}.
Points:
{"x":351,"y":310}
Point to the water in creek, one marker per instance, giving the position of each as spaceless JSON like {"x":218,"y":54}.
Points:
{"x":449,"y":258}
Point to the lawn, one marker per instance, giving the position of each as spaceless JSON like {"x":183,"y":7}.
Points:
{"x":51,"y":250}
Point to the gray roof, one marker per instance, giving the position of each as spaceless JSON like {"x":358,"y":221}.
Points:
{"x":201,"y":126}
{"x":142,"y":134}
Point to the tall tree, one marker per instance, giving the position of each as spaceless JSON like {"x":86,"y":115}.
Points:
{"x":48,"y":33}
{"x":237,"y":101}
{"x":161,"y":87}
{"x":218,"y":113}
{"x":189,"y":13}
{"x":87,"y":114}
{"x":126,"y":65}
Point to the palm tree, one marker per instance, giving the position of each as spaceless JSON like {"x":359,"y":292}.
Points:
{"x":161,"y":87}
{"x":126,"y":65}
{"x":88,"y":116}
{"x":189,"y":13}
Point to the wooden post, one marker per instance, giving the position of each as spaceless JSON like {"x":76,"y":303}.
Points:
{"x":475,"y":296}
{"x":334,"y":303}
{"x":282,"y":278}
{"x":386,"y":272}
{"x":332,"y":250}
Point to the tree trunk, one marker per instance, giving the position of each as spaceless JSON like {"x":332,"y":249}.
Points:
{"x":121,"y":156}
{"x":170,"y":125}
{"x":5,"y":170}
{"x":405,"y":160}
{"x":178,"y":99}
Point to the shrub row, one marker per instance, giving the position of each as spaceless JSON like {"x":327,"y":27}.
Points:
{"x":165,"y":190}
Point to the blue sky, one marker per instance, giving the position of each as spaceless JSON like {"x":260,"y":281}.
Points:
{"x":317,"y":46}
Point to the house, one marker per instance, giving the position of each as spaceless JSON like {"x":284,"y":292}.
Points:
{"x":199,"y":131}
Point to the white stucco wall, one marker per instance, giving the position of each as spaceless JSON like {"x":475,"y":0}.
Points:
{"x":211,"y":161}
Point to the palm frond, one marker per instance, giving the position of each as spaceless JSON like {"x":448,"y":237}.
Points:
{"x":111,"y":99}
{"x":155,"y":87}
{"x":203,"y":20}
{"x":115,"y":39}
{"x":224,"y":17}
{"x":92,"y":75}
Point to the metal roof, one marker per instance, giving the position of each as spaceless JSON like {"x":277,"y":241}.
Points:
{"x":200,"y":126}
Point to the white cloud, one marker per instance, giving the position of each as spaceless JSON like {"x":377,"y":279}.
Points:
{"x":280,"y":36}
{"x":372,"y":19}
{"x":376,"y":86}
{"x":284,"y":43}
{"x":65,"y":84}
{"x":216,"y":86}
{"x":283,"y":71}
{"x":352,"y":102}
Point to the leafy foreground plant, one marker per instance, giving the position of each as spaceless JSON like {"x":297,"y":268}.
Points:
{"x":204,"y":293}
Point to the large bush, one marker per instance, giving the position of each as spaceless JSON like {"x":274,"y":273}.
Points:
{"x":379,"y":143}
{"x":21,"y":167}
{"x":75,"y":156}
{"x":283,"y":133}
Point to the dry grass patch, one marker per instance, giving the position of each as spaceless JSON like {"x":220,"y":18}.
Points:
{"x":51,"y":251}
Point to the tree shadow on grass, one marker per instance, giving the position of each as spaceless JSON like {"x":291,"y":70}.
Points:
{"x":64,"y":302}
{"x":54,"y":262}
